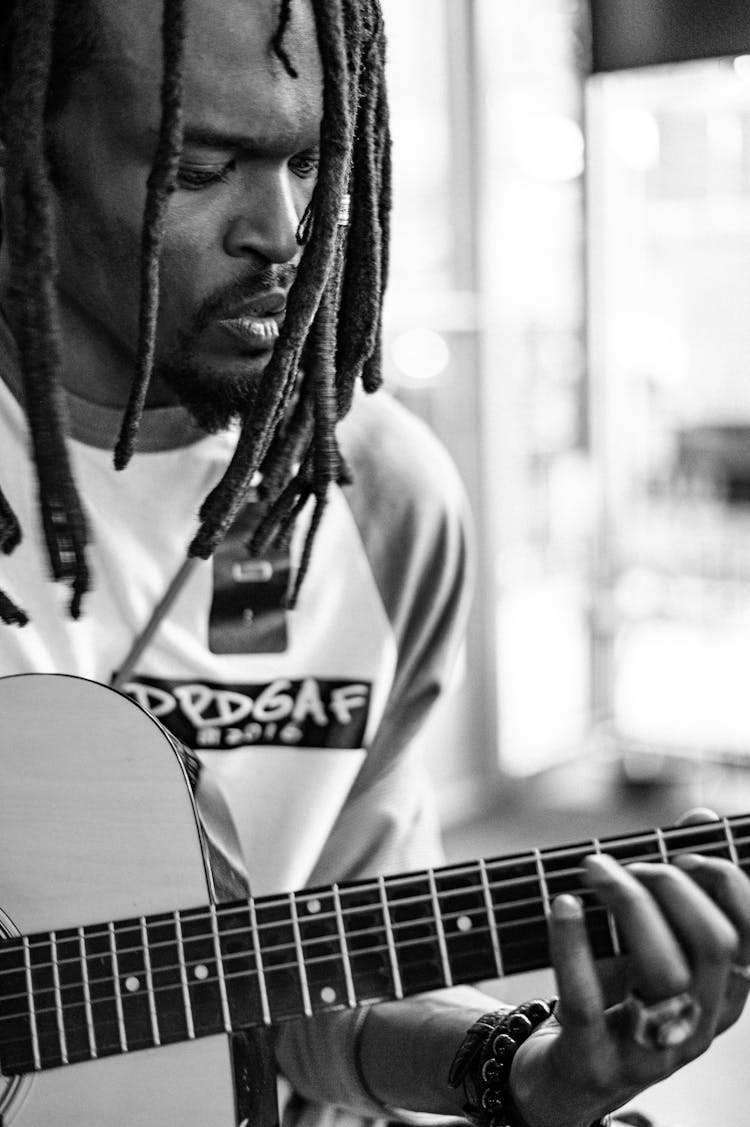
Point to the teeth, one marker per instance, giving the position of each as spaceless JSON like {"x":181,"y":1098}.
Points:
{"x":265,"y":328}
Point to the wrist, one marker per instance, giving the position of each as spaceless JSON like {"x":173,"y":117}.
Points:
{"x":538,"y":1093}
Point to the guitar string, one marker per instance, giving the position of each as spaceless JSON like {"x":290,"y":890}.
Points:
{"x":294,"y":966}
{"x":224,"y":911}
{"x":579,"y":850}
{"x":251,"y":974}
{"x":227,"y":911}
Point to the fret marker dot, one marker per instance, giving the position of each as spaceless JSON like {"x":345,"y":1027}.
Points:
{"x":201,"y":972}
{"x":328,"y":995}
{"x":464,"y":923}
{"x":132,"y":984}
{"x":313,"y":907}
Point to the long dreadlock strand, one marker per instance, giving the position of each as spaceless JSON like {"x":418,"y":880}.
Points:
{"x":277,"y":44}
{"x":372,"y":375}
{"x":289,"y":444}
{"x":160,"y":185}
{"x":362,"y":283}
{"x":292,"y":442}
{"x":312,"y":276}
{"x":325,"y":451}
{"x":273,"y":529}
{"x":30,"y":234}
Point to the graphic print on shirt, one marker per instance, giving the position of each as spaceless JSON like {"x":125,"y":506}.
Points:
{"x":308,"y":712}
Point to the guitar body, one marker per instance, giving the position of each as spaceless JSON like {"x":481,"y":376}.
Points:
{"x":94,"y":828}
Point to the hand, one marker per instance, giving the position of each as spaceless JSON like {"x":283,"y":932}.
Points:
{"x":684,"y":926}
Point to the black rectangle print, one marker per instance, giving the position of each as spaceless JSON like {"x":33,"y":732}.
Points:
{"x":301,"y":712}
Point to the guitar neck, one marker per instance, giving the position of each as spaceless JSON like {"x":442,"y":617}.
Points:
{"x":115,"y":987}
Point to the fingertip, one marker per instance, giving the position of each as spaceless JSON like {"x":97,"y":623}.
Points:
{"x":696,"y":815}
{"x":567,"y":907}
{"x":688,"y":861}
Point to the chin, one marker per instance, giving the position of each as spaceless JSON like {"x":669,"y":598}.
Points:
{"x":215,"y":396}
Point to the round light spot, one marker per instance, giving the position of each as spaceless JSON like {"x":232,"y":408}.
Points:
{"x":201,"y":972}
{"x":313,"y":907}
{"x":132,"y":984}
{"x":328,"y":995}
{"x":421,"y":355}
{"x":464,"y":923}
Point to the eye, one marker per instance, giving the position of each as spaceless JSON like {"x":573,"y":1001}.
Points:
{"x":192,"y":178}
{"x":305,"y":165}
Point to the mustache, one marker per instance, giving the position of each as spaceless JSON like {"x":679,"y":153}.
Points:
{"x":224,"y":302}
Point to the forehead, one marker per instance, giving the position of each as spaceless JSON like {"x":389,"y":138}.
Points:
{"x":233,"y":78}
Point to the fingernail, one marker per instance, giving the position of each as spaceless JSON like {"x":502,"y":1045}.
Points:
{"x":687,"y":860}
{"x":567,"y":907}
{"x":601,"y":865}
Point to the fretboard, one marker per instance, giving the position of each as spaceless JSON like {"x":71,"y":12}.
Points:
{"x":75,"y":995}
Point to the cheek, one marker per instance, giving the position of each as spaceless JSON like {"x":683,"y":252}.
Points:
{"x":98,"y":236}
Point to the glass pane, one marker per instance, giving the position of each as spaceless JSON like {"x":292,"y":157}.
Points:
{"x":670,"y":153}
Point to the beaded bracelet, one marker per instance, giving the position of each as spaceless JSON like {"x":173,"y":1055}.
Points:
{"x":482,"y":1064}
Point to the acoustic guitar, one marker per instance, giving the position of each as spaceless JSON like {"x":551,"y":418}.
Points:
{"x":123,"y":981}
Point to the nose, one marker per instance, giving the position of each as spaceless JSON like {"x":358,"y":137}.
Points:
{"x":265,"y":221}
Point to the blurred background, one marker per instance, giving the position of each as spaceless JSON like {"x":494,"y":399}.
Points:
{"x":569,"y":310}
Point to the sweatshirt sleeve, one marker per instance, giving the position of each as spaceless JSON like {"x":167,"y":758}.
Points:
{"x":418,"y":539}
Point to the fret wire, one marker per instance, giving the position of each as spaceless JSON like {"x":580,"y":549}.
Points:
{"x":733,"y":854}
{"x":440,"y":930}
{"x":372,"y":950}
{"x":87,"y":993}
{"x":155,"y":1033}
{"x":118,"y":992}
{"x":304,"y":985}
{"x":58,"y":998}
{"x":542,"y":876}
{"x":398,"y":988}
{"x":416,"y":943}
{"x":350,"y":992}
{"x":32,"y":1007}
{"x":611,"y":925}
{"x":490,"y":909}
{"x":404,"y":944}
{"x":664,"y":853}
{"x":220,"y":972}
{"x":186,"y":1001}
{"x":265,"y":1009}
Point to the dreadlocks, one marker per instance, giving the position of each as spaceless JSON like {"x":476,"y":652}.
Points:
{"x":331,"y":333}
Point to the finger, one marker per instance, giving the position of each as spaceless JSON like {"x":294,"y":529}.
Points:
{"x":696,"y":815}
{"x":705,"y":934}
{"x":728,"y":888}
{"x":581,"y":1005}
{"x":659,"y":966}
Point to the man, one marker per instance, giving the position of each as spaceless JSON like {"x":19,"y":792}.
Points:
{"x":243,"y":302}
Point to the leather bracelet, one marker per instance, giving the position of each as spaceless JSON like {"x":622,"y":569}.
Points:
{"x":484,"y":1058}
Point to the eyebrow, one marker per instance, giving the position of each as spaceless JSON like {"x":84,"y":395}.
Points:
{"x":218,"y":139}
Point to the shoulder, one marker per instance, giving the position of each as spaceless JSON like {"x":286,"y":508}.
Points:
{"x":409,"y":505}
{"x":401,"y":470}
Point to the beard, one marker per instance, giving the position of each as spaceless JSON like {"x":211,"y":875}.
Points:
{"x":213,"y":396}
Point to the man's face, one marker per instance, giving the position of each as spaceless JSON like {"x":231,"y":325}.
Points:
{"x":247,"y":173}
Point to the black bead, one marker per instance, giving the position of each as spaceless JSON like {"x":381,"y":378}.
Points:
{"x":537,"y":1012}
{"x":503,"y":1046}
{"x":494,"y":1071}
{"x":491,"y":1102}
{"x":519,"y":1027}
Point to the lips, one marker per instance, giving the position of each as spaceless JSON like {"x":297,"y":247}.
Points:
{"x":271,"y":304}
{"x":256,"y":322}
